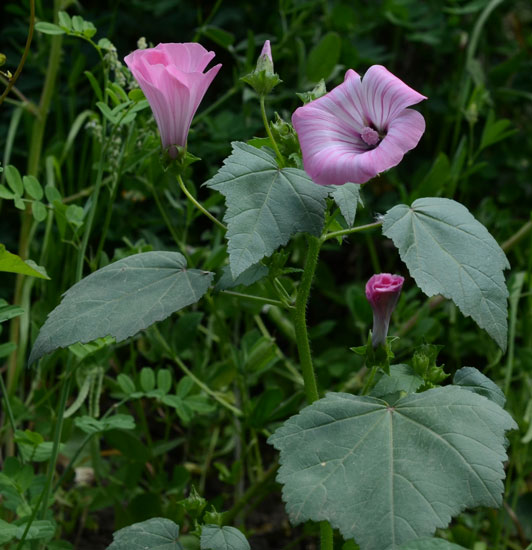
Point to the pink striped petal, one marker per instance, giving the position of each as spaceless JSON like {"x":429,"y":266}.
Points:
{"x":385,"y":96}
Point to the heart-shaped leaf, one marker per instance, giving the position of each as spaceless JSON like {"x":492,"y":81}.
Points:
{"x":385,"y":475}
{"x":449,"y":252}
{"x":266,"y":205}
{"x":121,"y":299}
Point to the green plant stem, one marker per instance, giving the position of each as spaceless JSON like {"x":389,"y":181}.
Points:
{"x":17,"y":358}
{"x":280,"y":157}
{"x":12,"y":80}
{"x":253,"y":492}
{"x":344,"y":232}
{"x":189,"y":373}
{"x":303,"y":347}
{"x":369,"y":380}
{"x":260,"y":299}
{"x":300,"y":320}
{"x":193,"y":200}
{"x":168,"y":223}
{"x":517,"y":237}
{"x":214,"y":105}
{"x":7,"y":403}
{"x":45,"y":495}
{"x":92,"y":212}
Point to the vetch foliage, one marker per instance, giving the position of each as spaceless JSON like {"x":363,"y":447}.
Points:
{"x":266,"y":205}
{"x":385,"y":475}
{"x":121,"y":299}
{"x":449,"y":252}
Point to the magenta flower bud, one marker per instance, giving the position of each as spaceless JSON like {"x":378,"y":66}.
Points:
{"x":382,"y":292}
{"x":172,"y":79}
{"x":359,"y":129}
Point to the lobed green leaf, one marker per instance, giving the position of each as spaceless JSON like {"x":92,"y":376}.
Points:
{"x":449,"y":252}
{"x":266,"y":205}
{"x":385,"y":475}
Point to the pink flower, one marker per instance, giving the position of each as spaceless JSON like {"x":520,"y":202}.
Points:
{"x":382,"y":292}
{"x":359,"y":129}
{"x":172,"y":79}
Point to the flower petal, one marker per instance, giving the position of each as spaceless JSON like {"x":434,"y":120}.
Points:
{"x":404,"y":133}
{"x":385,"y":96}
{"x":188,"y":57}
{"x":329,"y":144}
{"x":171,"y":76}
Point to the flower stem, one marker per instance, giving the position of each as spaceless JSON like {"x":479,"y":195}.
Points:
{"x":300,"y":320}
{"x":183,"y":367}
{"x":280,"y":157}
{"x":343,"y":232}
{"x":193,"y":200}
{"x":303,"y":347}
{"x":254,"y":298}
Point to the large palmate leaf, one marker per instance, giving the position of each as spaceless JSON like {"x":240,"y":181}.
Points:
{"x":449,"y":252}
{"x":152,"y":534}
{"x":121,"y":299}
{"x":385,"y":475}
{"x":266,"y":205}
{"x":431,"y":544}
{"x":214,"y":537}
{"x":472,"y":379}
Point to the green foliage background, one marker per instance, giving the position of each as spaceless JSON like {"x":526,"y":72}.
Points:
{"x":472,"y":59}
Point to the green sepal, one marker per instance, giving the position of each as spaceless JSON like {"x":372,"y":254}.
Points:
{"x":318,"y":91}
{"x":424,"y":365}
{"x":263,"y":82}
{"x":181,"y":161}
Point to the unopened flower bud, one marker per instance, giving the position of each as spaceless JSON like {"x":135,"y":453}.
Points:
{"x":265,"y":61}
{"x":263,"y":79}
{"x":382,"y":292}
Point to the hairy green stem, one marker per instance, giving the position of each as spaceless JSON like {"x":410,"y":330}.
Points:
{"x":280,"y":157}
{"x":300,"y":320}
{"x":193,"y":200}
{"x":303,"y":347}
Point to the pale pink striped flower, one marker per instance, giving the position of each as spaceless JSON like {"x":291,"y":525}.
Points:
{"x":382,"y":292}
{"x":359,"y":129}
{"x":172,"y":79}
